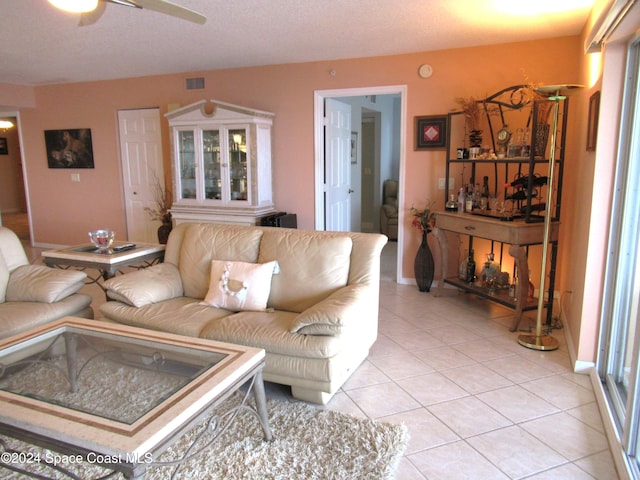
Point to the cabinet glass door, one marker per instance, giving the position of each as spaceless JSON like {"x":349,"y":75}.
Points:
{"x":238,"y":164}
{"x":211,"y":161}
{"x":187,"y":163}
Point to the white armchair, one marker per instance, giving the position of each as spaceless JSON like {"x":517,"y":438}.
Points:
{"x":32,"y":295}
{"x":389,"y":209}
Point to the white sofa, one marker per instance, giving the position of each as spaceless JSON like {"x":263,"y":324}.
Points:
{"x":32,"y":295}
{"x":320,"y":316}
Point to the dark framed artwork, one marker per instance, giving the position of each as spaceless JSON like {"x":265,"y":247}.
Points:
{"x":4,"y":147}
{"x":592,"y":125}
{"x":70,"y":148}
{"x":431,"y":132}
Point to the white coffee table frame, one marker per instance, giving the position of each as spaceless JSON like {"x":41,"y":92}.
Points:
{"x":72,"y":432}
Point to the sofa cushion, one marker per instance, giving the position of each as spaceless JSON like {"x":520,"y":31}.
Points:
{"x":4,"y":278}
{"x":239,"y":286}
{"x":151,"y":285}
{"x":312,"y":266}
{"x":37,"y":283}
{"x":270,"y":330}
{"x":17,"y":317}
{"x":182,"y":315}
{"x":202,"y":243}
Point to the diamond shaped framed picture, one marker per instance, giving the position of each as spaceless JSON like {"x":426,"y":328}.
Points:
{"x":431,"y":132}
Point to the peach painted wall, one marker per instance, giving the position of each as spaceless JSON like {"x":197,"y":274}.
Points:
{"x":576,"y":218}
{"x":63,"y":211}
{"x":12,"y":96}
{"x":586,"y":274}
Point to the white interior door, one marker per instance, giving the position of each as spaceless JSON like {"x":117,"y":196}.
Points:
{"x":337,"y":165}
{"x":142,"y":168}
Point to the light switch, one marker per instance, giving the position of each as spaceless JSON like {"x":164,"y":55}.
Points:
{"x":75,"y":177}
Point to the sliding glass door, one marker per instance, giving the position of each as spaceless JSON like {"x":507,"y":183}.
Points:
{"x":620,"y":343}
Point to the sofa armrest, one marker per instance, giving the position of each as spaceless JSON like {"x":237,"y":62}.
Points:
{"x":37,"y":283}
{"x":150,"y":285}
{"x":334,"y":313}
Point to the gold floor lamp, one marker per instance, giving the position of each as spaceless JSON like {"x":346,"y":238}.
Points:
{"x":538,"y":341}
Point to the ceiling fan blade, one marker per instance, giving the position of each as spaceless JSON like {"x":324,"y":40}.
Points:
{"x":169,"y":8}
{"x":92,"y":17}
{"x":126,"y":3}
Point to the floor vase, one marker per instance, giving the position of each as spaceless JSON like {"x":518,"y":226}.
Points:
{"x":423,"y":266}
{"x":165,"y":229}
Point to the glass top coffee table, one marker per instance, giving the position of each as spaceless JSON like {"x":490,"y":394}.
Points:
{"x":117,"y":393}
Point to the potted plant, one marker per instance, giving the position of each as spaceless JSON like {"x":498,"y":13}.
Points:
{"x":161,"y":213}
{"x":423,"y":266}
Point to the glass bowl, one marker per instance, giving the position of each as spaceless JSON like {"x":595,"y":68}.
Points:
{"x":102,"y":239}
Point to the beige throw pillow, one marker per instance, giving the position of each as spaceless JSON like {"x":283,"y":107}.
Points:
{"x":239,"y":286}
{"x":37,"y":283}
{"x":151,"y":285}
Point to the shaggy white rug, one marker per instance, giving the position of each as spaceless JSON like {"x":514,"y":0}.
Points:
{"x":310,"y":443}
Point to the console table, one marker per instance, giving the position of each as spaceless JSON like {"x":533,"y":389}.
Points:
{"x":517,"y":233}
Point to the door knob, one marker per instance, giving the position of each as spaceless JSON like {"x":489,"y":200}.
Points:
{"x":351,"y":191}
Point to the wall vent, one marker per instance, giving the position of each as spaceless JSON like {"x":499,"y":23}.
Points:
{"x":196,"y":83}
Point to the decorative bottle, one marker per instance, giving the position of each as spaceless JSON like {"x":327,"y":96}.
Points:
{"x":462,"y":269}
{"x":485,"y":187}
{"x":471,"y":268}
{"x":513,"y":287}
{"x":489,"y":272}
{"x":468,"y":199}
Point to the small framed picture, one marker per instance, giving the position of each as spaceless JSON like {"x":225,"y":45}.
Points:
{"x":431,"y":132}
{"x":4,"y":148}
{"x":592,"y":126}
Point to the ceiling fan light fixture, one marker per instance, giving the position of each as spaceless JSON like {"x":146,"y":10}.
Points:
{"x":75,"y":6}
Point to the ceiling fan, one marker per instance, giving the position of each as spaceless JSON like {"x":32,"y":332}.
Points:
{"x":91,"y":10}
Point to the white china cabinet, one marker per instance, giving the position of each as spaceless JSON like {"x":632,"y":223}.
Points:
{"x":221,"y":156}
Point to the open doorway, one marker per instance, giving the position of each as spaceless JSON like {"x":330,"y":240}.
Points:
{"x":378,"y":127}
{"x":13,"y":197}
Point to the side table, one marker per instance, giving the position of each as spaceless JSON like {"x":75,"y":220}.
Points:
{"x":87,"y":256}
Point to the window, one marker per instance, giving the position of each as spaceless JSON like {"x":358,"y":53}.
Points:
{"x":620,"y":337}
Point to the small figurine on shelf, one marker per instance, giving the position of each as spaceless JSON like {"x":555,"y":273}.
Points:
{"x":451,"y":205}
{"x":475,"y":138}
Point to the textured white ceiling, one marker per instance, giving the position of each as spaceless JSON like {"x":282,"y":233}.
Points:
{"x":42,"y":45}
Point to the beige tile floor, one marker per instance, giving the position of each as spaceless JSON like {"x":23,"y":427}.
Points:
{"x":477,"y":404}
